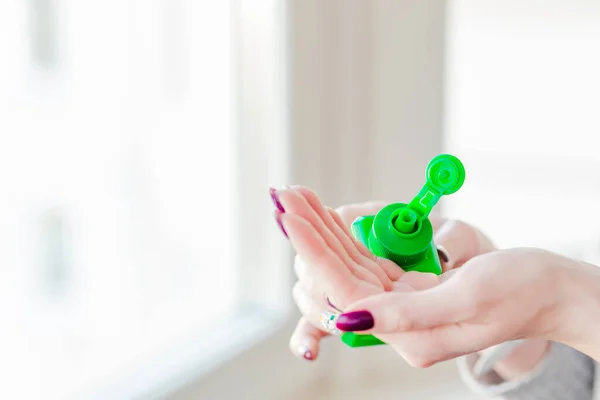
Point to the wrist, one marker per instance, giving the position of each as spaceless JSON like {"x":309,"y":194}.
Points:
{"x":577,"y":321}
{"x":523,"y":359}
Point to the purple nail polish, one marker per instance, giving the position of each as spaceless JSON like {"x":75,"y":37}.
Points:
{"x":331,"y":304}
{"x":275,"y":199}
{"x":308,"y":355}
{"x":278,"y":219}
{"x":355,"y":321}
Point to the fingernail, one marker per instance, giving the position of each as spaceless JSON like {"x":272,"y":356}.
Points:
{"x":275,"y":199}
{"x":442,"y":254}
{"x":355,"y":321}
{"x":278,"y":219}
{"x":305,"y":352}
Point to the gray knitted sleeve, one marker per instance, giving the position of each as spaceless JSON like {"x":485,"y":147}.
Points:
{"x":565,"y":374}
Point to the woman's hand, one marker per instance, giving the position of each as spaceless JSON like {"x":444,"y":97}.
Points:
{"x":332,"y":263}
{"x":493,"y":298}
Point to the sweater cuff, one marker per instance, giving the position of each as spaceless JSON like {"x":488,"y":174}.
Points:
{"x":563,"y":374}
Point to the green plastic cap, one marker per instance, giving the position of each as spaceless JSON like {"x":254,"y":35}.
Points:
{"x":402,"y":232}
{"x":406,"y":221}
{"x":445,"y":175}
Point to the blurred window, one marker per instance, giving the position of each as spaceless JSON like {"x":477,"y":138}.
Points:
{"x":117,"y":188}
{"x":522,"y":111}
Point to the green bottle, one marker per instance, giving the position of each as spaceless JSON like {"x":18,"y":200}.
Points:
{"x":403,"y":233}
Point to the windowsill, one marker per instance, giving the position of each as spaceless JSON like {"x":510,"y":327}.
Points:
{"x":203,"y":352}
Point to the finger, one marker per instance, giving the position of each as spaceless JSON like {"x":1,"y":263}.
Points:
{"x":393,"y":312}
{"x":349,"y":213}
{"x":296,"y":204}
{"x":418,"y":280}
{"x":334,"y":223}
{"x":304,"y":202}
{"x":393,"y":270}
{"x":313,"y":249}
{"x":447,"y":275}
{"x":307,"y":279}
{"x":425,"y":348}
{"x":301,"y":269}
{"x":341,"y":285}
{"x":458,"y":242}
{"x":436,"y":222}
{"x":386,"y":272}
{"x":343,"y":235}
{"x":311,"y":304}
{"x":346,"y":231}
{"x":305,"y":340}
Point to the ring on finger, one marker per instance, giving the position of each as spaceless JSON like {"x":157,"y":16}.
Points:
{"x":328,"y":320}
{"x":443,"y":254}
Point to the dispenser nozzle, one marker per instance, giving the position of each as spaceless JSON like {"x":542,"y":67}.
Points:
{"x":445,"y":175}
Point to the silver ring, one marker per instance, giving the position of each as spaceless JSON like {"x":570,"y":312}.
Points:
{"x":328,"y":320}
{"x":443,"y":254}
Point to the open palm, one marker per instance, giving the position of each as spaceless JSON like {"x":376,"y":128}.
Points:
{"x":330,"y":256}
{"x":331,"y":264}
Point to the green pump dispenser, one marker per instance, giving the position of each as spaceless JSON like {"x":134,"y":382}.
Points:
{"x":403,"y":233}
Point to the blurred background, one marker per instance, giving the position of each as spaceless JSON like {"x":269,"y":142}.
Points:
{"x":138,"y":140}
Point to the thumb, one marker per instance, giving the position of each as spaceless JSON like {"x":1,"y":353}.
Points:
{"x":394,"y":312}
{"x":458,"y":242}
